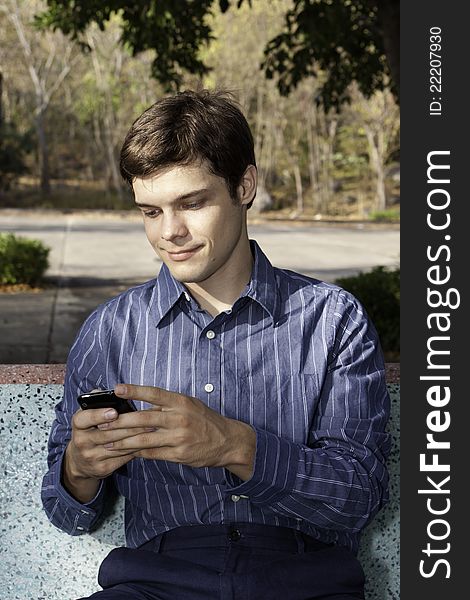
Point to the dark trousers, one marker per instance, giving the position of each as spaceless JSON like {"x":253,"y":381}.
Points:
{"x":231,"y":562}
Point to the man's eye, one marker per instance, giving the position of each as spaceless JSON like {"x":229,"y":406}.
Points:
{"x":193,"y":205}
{"x":151,"y":214}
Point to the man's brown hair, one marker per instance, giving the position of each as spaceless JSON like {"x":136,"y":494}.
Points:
{"x":189,"y":127}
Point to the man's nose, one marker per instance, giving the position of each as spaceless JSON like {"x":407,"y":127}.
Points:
{"x":173,"y":226}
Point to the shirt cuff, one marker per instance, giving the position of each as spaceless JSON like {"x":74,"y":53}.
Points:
{"x":275,"y":469}
{"x":85,"y":514}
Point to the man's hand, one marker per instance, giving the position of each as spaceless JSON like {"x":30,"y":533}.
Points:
{"x":184,"y":430}
{"x":87,"y":460}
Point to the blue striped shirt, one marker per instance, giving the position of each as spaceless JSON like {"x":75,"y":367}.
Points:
{"x":294,"y":357}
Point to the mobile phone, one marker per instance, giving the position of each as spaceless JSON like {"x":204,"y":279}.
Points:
{"x":105,"y":399}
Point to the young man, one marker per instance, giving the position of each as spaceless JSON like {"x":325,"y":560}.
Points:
{"x":258,"y":451}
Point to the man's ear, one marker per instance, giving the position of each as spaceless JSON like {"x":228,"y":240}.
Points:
{"x":248,"y":184}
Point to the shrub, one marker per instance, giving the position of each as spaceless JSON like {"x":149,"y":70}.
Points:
{"x":379,"y":292}
{"x":392,"y":215}
{"x":22,"y":260}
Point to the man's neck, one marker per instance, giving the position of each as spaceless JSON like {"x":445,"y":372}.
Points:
{"x":219,"y":293}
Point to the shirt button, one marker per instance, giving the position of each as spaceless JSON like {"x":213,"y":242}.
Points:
{"x":235,"y":498}
{"x":209,"y":387}
{"x":210,"y":334}
{"x":234,"y":535}
{"x":80,"y":528}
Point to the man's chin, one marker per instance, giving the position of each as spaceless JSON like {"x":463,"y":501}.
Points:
{"x":183,"y":277}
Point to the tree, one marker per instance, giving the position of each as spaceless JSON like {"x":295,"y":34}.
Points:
{"x":107,"y":68}
{"x":174,"y":30}
{"x":379,"y":119}
{"x":108,"y":93}
{"x":47,"y":68}
{"x":347,"y":39}
{"x":233,"y":58}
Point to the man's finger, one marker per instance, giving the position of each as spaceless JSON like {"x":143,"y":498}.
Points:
{"x":140,"y":419}
{"x":152,"y":395}
{"x":117,"y":460}
{"x":92,"y":417}
{"x":104,"y":437}
{"x":143,"y":441}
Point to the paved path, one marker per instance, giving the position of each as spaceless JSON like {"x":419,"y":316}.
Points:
{"x":96,"y":255}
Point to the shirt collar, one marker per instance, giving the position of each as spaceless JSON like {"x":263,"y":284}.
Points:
{"x":169,"y":291}
{"x":262,"y":286}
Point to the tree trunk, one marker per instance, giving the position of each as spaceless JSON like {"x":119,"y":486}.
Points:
{"x":259,"y":122}
{"x":112,"y":163}
{"x":322,"y":202}
{"x":43,"y":151}
{"x":312,"y":162}
{"x":376,"y":147}
{"x":327,"y":133}
{"x":298,"y":189}
{"x":1,"y":99}
{"x":106,"y":121}
{"x":266,"y":160}
{"x":332,"y":125}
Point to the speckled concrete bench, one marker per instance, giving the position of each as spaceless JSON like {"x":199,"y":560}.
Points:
{"x":39,"y":562}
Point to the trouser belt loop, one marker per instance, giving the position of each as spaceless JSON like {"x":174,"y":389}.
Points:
{"x":158,"y":542}
{"x":300,"y":541}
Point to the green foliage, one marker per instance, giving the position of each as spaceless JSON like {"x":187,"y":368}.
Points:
{"x":341,"y":38}
{"x":391,"y":215}
{"x":379,"y":292}
{"x":175,"y":30}
{"x":13,"y":147}
{"x":351,"y":162}
{"x":22,"y":260}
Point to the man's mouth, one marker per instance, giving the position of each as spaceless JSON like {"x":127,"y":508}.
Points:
{"x":181,"y":255}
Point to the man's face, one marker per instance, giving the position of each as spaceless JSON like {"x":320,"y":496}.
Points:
{"x":192,"y":222}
